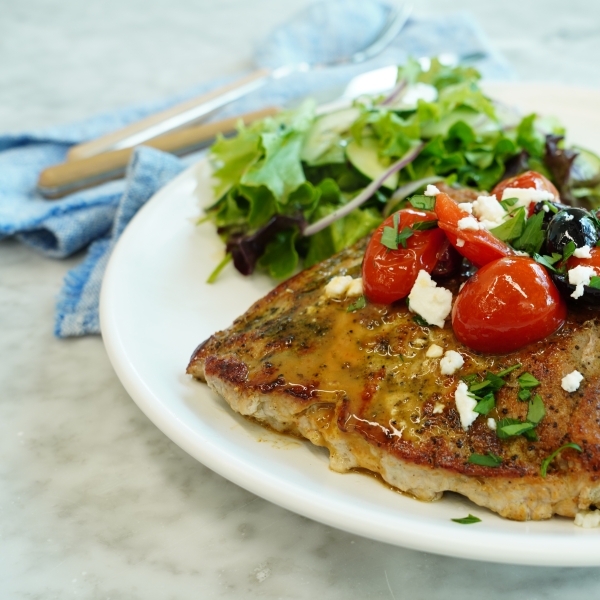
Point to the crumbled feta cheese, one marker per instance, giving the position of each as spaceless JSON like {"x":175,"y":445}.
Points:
{"x":588,"y":519}
{"x":431,"y":302}
{"x":525,"y":196}
{"x":520,"y":253}
{"x":489,"y":211}
{"x":434,"y":351}
{"x":451,"y":362}
{"x":355,"y":288}
{"x":571,"y":382}
{"x":467,"y":207}
{"x":546,"y":208}
{"x":431,"y":191}
{"x":580,"y":276}
{"x":338,"y":286}
{"x":460,"y":242}
{"x":465,"y":405}
{"x":491,"y":423}
{"x":569,"y":218}
{"x":583,"y":252}
{"x":469,"y":223}
{"x":438,"y":408}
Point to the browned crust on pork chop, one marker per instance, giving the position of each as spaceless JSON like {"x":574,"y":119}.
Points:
{"x":359,"y":383}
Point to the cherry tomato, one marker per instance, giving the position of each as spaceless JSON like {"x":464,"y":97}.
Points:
{"x":480,"y":247}
{"x":527,"y":180}
{"x":507,"y":304}
{"x":389,"y":275}
{"x":587,"y":262}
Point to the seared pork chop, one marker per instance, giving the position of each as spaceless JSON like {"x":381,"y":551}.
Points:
{"x":360,"y":384}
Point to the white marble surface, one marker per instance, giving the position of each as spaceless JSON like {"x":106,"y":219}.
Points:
{"x":95,"y":502}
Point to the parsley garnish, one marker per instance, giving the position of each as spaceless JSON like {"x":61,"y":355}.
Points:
{"x":594,"y":282}
{"x":512,"y":228}
{"x":404,"y":235}
{"x":536,"y":410}
{"x":524,"y":395}
{"x":568,"y":250}
{"x":528,"y":381}
{"x":467,"y":520}
{"x":532,"y":238}
{"x":546,"y":462}
{"x":419,"y":320}
{"x":425,"y":225}
{"x":423,"y":202}
{"x":509,"y":370}
{"x":508,"y":203}
{"x":548,"y":261}
{"x":510,"y":427}
{"x":486,"y":404}
{"x":489,"y":460}
{"x":551,"y":206}
{"x":361,"y":302}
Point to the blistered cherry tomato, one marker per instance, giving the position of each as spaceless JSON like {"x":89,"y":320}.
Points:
{"x":480,"y":247}
{"x":527,"y":180}
{"x":389,"y":275}
{"x":506,"y":305}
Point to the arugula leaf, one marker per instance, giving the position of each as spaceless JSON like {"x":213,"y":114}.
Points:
{"x":546,"y":462}
{"x":511,"y":228}
{"x":486,"y":404}
{"x":533,"y":235}
{"x":489,"y":460}
{"x":537,"y":410}
{"x":361,"y":302}
{"x":424,"y":225}
{"x":528,"y":381}
{"x":467,"y":520}
{"x":423,"y":202}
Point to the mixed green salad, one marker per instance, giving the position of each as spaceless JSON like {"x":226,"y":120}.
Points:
{"x":303,"y":186}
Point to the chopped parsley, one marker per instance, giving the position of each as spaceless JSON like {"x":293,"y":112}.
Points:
{"x":528,"y":381}
{"x":512,"y":228}
{"x":423,"y":202}
{"x":467,"y":520}
{"x":361,"y":302}
{"x":419,"y":320}
{"x":425,"y":225}
{"x":508,"y":203}
{"x":568,"y":250}
{"x":546,"y":462}
{"x":486,"y":404}
{"x":508,"y":427}
{"x":533,"y":236}
{"x":509,"y":370}
{"x":594,"y":282}
{"x":536,"y":411}
{"x":548,"y":261}
{"x":485,"y":460}
{"x":524,"y":395}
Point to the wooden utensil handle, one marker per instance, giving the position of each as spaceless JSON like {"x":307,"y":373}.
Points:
{"x":62,"y":179}
{"x":170,"y":119}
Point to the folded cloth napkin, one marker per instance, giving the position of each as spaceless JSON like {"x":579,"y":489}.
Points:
{"x":96,"y":217}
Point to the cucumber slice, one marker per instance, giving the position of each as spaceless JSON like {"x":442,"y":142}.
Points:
{"x":365,"y":157}
{"x":585,"y":171}
{"x":323,"y":141}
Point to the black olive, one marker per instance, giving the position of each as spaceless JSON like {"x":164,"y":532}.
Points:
{"x":539,"y":207}
{"x":570,"y":225}
{"x":591,"y":296}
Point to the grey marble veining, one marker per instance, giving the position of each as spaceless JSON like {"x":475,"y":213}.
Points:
{"x":97,"y":503}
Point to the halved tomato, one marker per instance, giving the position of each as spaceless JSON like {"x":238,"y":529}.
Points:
{"x":527,"y":180}
{"x":389,"y":275}
{"x":480,"y":246}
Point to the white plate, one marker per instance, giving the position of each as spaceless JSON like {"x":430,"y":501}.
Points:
{"x":156,"y":308}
